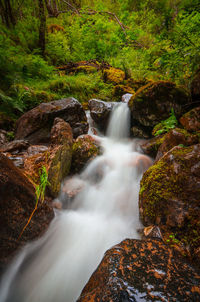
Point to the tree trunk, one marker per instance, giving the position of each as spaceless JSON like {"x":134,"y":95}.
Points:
{"x":42,"y":28}
{"x":6,"y":13}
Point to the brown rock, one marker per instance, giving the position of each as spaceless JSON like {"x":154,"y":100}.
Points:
{"x":170,"y":195}
{"x":85,"y":148}
{"x":191,"y":120}
{"x":142,"y":271}
{"x":16,"y":145}
{"x":17,"y":201}
{"x":56,"y":159}
{"x":35,"y":125}
{"x":151,"y":146}
{"x":174,"y":138}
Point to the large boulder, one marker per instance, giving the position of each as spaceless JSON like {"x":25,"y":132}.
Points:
{"x":35,"y":125}
{"x":170,"y":196}
{"x":152,"y":103}
{"x":56,"y":159}
{"x":100,"y":112}
{"x":138,"y":270}
{"x":191,"y":120}
{"x":85,"y":148}
{"x":17,"y":201}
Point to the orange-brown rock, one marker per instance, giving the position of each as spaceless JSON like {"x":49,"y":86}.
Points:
{"x":17,"y":201}
{"x":191,"y":120}
{"x":137,"y":270}
{"x":35,"y":125}
{"x":174,"y":138}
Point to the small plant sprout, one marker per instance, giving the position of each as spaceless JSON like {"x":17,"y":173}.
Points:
{"x":39,"y":193}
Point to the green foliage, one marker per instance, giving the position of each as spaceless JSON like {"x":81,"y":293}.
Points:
{"x":167,"y":124}
{"x":40,"y":189}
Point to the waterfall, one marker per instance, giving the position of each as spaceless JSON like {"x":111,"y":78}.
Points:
{"x":105,"y":211}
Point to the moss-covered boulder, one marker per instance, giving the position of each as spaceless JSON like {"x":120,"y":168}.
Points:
{"x":85,"y":148}
{"x":137,"y":270}
{"x":152,"y":103}
{"x":174,"y":138}
{"x":35,"y":125}
{"x":113,"y":75}
{"x":170,"y":196}
{"x":56,"y":159}
{"x":191,"y":120}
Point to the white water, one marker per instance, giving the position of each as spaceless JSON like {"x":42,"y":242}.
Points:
{"x":56,"y":267}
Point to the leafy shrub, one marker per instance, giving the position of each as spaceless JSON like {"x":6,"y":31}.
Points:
{"x":166,"y":125}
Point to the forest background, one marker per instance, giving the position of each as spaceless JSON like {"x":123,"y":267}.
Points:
{"x":147,"y":39}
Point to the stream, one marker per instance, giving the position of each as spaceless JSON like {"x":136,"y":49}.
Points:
{"x":105,"y":211}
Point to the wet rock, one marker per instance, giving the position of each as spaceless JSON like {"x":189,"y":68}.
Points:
{"x":100,"y":112}
{"x":35,"y":125}
{"x":191,"y":120}
{"x":113,"y":75}
{"x":56,"y":159}
{"x":85,"y":148}
{"x":152,"y":231}
{"x":139,"y":132}
{"x":174,"y":138}
{"x":16,"y":145}
{"x":142,"y":271}
{"x":195,"y":86}
{"x":169,"y":196}
{"x":69,"y":190}
{"x":3,"y":138}
{"x":35,"y":149}
{"x":151,"y":146}
{"x":152,"y":103}
{"x":17,"y":201}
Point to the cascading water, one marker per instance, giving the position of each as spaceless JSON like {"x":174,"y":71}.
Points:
{"x":57,"y":266}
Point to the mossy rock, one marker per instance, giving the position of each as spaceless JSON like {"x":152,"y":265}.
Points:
{"x":169,"y":196}
{"x":84,"y":150}
{"x":151,"y":146}
{"x":191,"y":120}
{"x":174,"y":138}
{"x":153,"y":103}
{"x":113,"y":75}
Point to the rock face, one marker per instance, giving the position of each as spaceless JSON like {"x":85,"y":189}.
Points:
{"x":85,"y":149}
{"x":174,"y":138}
{"x":56,"y":159}
{"x":3,"y":138}
{"x":170,"y":196}
{"x":142,"y":271}
{"x":100,"y":112}
{"x":17,"y":201}
{"x":35,"y":125}
{"x":191,"y":120}
{"x":152,"y":103}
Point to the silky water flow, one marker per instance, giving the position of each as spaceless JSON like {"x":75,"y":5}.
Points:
{"x":104,"y":212}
